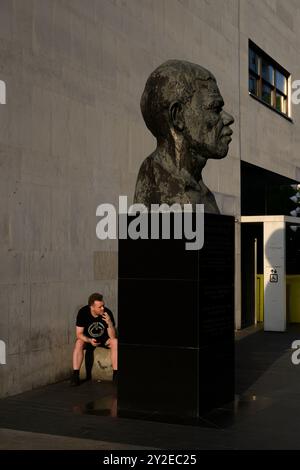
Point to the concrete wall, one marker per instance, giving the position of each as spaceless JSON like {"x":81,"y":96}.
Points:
{"x":72,"y":137}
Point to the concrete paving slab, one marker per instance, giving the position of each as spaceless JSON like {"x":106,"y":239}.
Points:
{"x":11,"y":439}
{"x":264,"y":414}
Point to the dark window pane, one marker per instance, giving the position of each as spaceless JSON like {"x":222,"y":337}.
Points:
{"x":278,"y":102}
{"x":280,"y":82}
{"x":267,"y":93}
{"x":267,"y":72}
{"x":253,"y":85}
{"x":253,"y":61}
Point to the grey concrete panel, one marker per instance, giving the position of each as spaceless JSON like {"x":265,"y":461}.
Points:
{"x":83,"y":215}
{"x":285,"y":15}
{"x":108,"y":13}
{"x":44,"y":266}
{"x":41,"y":113}
{"x":12,"y":373}
{"x":60,"y":133}
{"x":10,"y":163}
{"x":5,"y":118}
{"x":6,"y":19}
{"x":42,"y":71}
{"x":4,"y":314}
{"x":23,"y":22}
{"x":78,"y":39}
{"x":94,"y":53}
{"x":76,"y":265}
{"x":41,"y":367}
{"x":10,"y":58}
{"x":12,"y":267}
{"x":105,"y":265}
{"x":43,"y":27}
{"x":30,"y":207}
{"x":44,"y":311}
{"x":76,"y":85}
{"x":4,"y":214}
{"x":61,"y":31}
{"x":40,"y":167}
{"x":60,"y":219}
{"x":18,"y":319}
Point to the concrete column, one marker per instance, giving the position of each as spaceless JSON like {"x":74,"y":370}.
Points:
{"x":274,"y":276}
{"x":237,"y":280}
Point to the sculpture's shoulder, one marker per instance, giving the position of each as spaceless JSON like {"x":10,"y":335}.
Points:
{"x":156,"y":168}
{"x":145,"y":184}
{"x":147,"y":167}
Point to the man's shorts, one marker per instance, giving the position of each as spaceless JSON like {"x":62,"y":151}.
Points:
{"x":100,"y":345}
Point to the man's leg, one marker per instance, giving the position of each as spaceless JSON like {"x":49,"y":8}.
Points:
{"x":112,"y":343}
{"x":89,"y":360}
{"x":77,"y":361}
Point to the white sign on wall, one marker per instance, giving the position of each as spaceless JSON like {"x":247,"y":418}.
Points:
{"x":2,"y":352}
{"x":2,"y":92}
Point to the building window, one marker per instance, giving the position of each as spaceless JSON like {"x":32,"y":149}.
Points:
{"x":268,"y":81}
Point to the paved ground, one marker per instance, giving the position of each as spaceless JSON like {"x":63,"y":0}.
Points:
{"x":265,"y":414}
{"x":10,"y":439}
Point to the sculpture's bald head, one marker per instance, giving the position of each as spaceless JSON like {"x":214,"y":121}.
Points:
{"x":173,"y":81}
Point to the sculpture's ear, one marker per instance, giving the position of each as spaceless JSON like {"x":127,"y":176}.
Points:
{"x":176,"y":115}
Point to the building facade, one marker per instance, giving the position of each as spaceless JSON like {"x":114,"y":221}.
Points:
{"x":72,"y":137}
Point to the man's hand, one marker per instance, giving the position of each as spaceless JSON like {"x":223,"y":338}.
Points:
{"x":107,"y":319}
{"x":94,"y":342}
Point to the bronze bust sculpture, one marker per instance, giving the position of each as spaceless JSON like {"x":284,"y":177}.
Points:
{"x":182,"y":107}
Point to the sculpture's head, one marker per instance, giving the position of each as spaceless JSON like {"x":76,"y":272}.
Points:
{"x":183,"y":98}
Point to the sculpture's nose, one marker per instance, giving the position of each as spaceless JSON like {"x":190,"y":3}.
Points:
{"x":227,"y":118}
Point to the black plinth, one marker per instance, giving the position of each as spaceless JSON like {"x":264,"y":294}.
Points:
{"x":176,"y":325}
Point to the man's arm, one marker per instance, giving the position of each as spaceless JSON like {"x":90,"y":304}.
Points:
{"x":80,"y":335}
{"x":111,"y":331}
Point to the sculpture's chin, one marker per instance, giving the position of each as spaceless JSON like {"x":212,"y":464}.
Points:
{"x":219,"y":156}
{"x":215,"y":152}
{"x":220,"y":152}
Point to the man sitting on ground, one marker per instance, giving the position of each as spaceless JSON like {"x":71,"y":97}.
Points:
{"x":95,"y":326}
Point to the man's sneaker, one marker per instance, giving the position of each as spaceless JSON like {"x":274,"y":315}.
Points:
{"x":75,"y":381}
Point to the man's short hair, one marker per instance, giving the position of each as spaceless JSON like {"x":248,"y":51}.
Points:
{"x":174,"y":80}
{"x":94,"y":297}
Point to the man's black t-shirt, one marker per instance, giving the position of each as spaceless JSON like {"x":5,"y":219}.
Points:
{"x":94,"y":327}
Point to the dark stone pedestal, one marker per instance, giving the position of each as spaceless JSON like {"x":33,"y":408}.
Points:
{"x":176,"y":325}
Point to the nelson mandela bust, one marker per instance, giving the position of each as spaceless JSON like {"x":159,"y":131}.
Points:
{"x":183,"y":108}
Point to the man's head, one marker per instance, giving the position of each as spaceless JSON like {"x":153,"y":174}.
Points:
{"x":184,"y":98}
{"x":96,"y":304}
